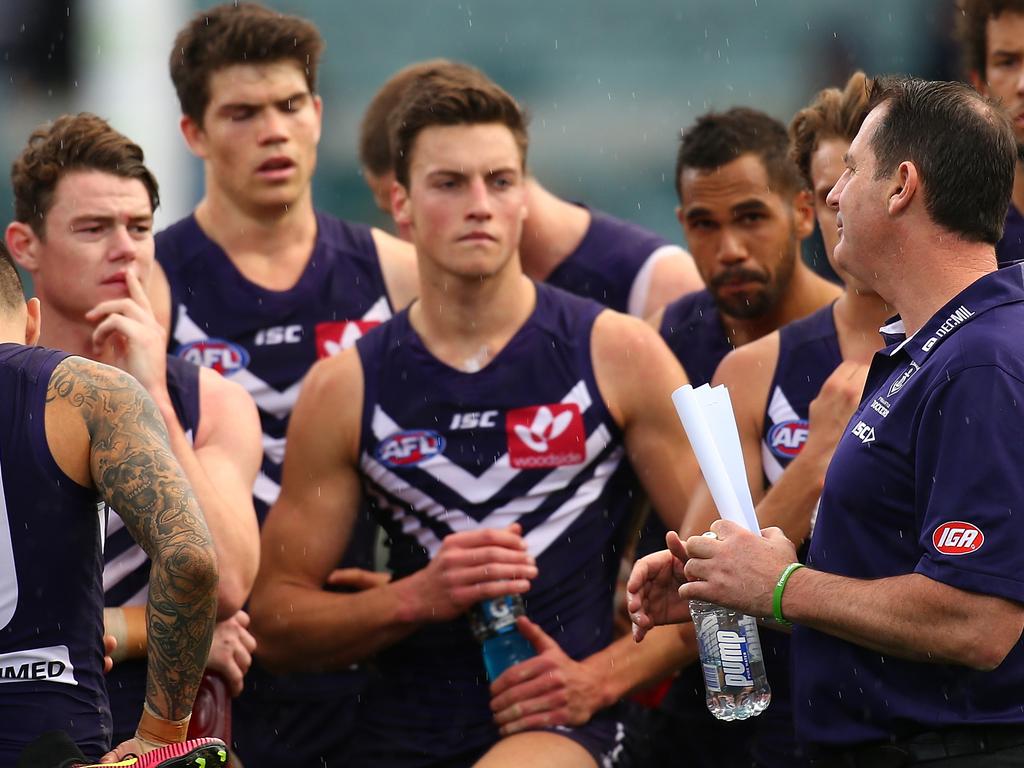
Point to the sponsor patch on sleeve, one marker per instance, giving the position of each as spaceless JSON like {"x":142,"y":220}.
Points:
{"x":957,"y":538}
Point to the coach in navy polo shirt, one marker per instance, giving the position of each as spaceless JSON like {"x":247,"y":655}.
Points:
{"x":908,"y":620}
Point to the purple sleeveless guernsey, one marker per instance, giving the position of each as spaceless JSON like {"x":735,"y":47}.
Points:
{"x":51,"y":601}
{"x":126,"y":565}
{"x":266,"y":341}
{"x":526,"y":439}
{"x":612,"y":263}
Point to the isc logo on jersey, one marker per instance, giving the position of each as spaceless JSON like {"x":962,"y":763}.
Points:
{"x":957,"y":538}
{"x":408,"y":447}
{"x":332,"y":338}
{"x":225,"y":357}
{"x":543,"y":436}
{"x":786,"y":439}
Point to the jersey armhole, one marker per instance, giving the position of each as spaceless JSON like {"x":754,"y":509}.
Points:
{"x":37,"y":432}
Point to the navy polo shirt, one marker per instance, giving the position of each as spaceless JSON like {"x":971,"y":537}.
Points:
{"x":926,"y":479}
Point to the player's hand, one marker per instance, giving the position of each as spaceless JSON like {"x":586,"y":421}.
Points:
{"x":830,"y":411}
{"x":737,"y":569}
{"x":652,"y":592}
{"x":134,"y":746}
{"x":128,"y":336}
{"x":470,"y":567}
{"x":357,"y":579}
{"x":549,"y":689}
{"x":231,"y":650}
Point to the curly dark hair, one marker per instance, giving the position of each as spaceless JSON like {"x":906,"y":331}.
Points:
{"x":82,"y":142}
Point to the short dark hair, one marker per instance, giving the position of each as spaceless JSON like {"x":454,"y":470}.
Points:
{"x":82,"y":142}
{"x":834,"y":114}
{"x":12,"y":291}
{"x":962,"y":145}
{"x":971,"y":28}
{"x":451,"y":98}
{"x":718,"y":138}
{"x":238,"y":33}
{"x":374,"y":141}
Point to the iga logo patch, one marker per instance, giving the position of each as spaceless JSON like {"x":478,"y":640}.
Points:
{"x":332,"y":338}
{"x":957,"y":538}
{"x":225,"y":357}
{"x":545,"y":436}
{"x":786,"y":439}
{"x":409,"y":447}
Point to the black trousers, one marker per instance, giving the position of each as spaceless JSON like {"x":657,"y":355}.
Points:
{"x":997,"y":746}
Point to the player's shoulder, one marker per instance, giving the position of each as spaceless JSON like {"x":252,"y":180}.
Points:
{"x":398,"y":265}
{"x":750,"y":364}
{"x":627,"y":339}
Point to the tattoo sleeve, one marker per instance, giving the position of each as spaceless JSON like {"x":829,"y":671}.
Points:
{"x":136,"y":474}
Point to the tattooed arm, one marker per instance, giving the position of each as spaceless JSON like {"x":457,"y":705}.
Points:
{"x":131,"y":465}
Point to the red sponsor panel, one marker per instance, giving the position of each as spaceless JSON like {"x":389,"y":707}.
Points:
{"x":543,"y":436}
{"x":333,"y":337}
{"x":957,"y":538}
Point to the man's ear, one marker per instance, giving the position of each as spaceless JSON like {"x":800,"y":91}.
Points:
{"x":401,"y":209}
{"x":194,"y":136}
{"x":34,"y":323}
{"x":903,"y":188}
{"x":23,"y":243}
{"x":803,"y":214}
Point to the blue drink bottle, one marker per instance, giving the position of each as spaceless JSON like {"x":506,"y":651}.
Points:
{"x":494,"y":626}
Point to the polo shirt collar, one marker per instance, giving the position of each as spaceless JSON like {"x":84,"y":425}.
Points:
{"x":1004,"y":286}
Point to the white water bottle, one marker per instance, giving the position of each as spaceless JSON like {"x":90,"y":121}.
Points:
{"x":732,"y":662}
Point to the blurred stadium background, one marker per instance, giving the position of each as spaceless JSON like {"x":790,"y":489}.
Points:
{"x":609,"y":83}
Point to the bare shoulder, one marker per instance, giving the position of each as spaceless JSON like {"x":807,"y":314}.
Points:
{"x":330,"y":406}
{"x":226,"y":408}
{"x":631,"y":363}
{"x":623,"y":339}
{"x":748,"y":370}
{"x":96,"y":390}
{"x":398,"y":263}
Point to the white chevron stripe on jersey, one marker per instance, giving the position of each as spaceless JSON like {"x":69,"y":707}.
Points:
{"x":265,"y":489}
{"x":770,"y":465}
{"x":122,"y":566}
{"x":554,"y":481}
{"x":477,"y":490}
{"x":779,"y":408}
{"x":380,"y":311}
{"x":538,"y":539}
{"x":277,"y":404}
{"x":273,"y":448}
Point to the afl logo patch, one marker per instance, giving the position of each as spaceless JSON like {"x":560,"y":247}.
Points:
{"x":225,"y":357}
{"x":786,"y":439}
{"x":409,"y":447}
{"x":957,"y":538}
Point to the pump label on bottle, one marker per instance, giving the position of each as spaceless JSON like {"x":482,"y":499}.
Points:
{"x":735,"y":659}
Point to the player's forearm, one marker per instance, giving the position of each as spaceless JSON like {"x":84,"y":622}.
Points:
{"x":625,"y":666}
{"x":790,"y":503}
{"x":237,"y":545}
{"x":180,"y":616}
{"x":911,"y":617}
{"x":299,"y":628}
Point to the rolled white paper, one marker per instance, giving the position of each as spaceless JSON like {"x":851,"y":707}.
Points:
{"x":716,"y":406}
{"x":691,"y":406}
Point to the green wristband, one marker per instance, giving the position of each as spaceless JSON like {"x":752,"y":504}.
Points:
{"x":780,"y":587}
